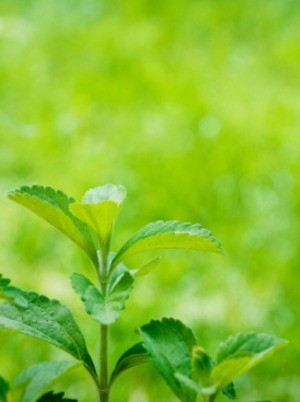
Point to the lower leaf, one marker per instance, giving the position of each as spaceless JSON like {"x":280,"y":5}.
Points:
{"x":49,"y":320}
{"x":38,"y":378}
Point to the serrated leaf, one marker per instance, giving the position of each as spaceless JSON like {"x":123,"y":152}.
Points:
{"x":239,"y":353}
{"x":169,"y":235}
{"x":99,"y":209}
{"x":51,"y":397}
{"x":170,"y":344}
{"x":103,"y":308}
{"x":40,"y":377}
{"x":48,"y":320}
{"x":4,"y":388}
{"x":134,"y":356}
{"x":54,"y":207}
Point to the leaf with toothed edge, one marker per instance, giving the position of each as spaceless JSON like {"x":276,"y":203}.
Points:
{"x":54,"y":207}
{"x":48,"y":320}
{"x":239,"y":353}
{"x":169,"y":235}
{"x":38,"y":378}
{"x":170,"y":343}
{"x":236,"y":355}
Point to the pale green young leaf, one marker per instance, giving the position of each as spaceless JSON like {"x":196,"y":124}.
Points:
{"x":146,"y":268}
{"x":54,"y":207}
{"x":99,"y":209}
{"x":4,"y":388}
{"x":103,"y":308}
{"x":40,"y":377}
{"x":48,"y":320}
{"x":239,"y":353}
{"x":169,"y":235}
{"x":170,"y":344}
{"x":51,"y":397}
{"x":202,"y":366}
{"x":134,"y":356}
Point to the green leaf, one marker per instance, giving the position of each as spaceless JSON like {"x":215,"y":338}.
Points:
{"x":240,"y":353}
{"x":170,"y":344}
{"x":54,"y":207}
{"x":169,"y":235}
{"x":229,"y":391}
{"x":8,"y":292}
{"x":146,"y":268}
{"x":40,"y":377}
{"x":99,"y":209}
{"x":48,"y":320}
{"x":103,"y":308}
{"x":134,"y":356}
{"x":4,"y":388}
{"x":202,"y":365}
{"x":51,"y":397}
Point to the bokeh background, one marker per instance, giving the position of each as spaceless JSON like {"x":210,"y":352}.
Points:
{"x":193,"y":106}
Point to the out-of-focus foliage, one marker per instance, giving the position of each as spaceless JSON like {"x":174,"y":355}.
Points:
{"x":194,"y":107}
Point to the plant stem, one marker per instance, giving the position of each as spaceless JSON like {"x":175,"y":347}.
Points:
{"x":103,"y":369}
{"x":103,"y":379}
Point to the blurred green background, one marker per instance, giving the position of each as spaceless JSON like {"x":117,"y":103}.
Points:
{"x":194,"y":107}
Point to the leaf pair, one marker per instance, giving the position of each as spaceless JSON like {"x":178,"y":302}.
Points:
{"x":81,"y":222}
{"x":105,"y":308}
{"x":90,"y":223}
{"x":189,"y":371}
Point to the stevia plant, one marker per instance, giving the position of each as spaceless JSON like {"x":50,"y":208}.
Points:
{"x":172,"y":347}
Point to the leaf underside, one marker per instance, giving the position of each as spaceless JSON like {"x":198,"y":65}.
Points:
{"x":99,"y":209}
{"x":169,"y":235}
{"x":134,"y":356}
{"x":40,"y":377}
{"x":170,"y":344}
{"x":54,"y":207}
{"x":146,"y":268}
{"x":44,"y":319}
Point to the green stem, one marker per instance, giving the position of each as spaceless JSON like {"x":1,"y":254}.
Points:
{"x":103,"y":358}
{"x":209,"y":398}
{"x":103,"y":378}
